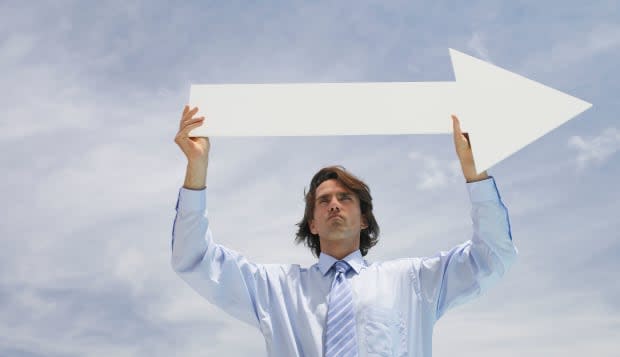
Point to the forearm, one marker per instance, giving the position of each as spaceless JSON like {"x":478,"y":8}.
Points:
{"x":468,"y":269}
{"x":491,"y":226}
{"x":221,"y":275}
{"x":196,"y":175}
{"x":189,"y":229}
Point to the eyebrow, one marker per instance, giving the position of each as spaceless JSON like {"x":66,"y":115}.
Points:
{"x":341,"y":193}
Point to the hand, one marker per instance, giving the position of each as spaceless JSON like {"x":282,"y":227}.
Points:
{"x":463,"y":150}
{"x":195,"y":149}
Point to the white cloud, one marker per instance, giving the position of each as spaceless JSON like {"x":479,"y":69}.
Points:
{"x":435,"y":173}
{"x":571,"y":50}
{"x":543,"y":323}
{"x":92,"y":171}
{"x":595,"y":150}
{"x":476,"y":43}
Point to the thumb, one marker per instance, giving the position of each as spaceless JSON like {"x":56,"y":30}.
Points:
{"x":456,"y":125}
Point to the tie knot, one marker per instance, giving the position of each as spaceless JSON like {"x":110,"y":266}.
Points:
{"x":341,"y":266}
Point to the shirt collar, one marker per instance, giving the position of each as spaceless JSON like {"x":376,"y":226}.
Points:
{"x":355,"y":260}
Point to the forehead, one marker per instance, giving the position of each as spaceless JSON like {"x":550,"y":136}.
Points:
{"x":330,"y":186}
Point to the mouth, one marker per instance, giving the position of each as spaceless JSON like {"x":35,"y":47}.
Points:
{"x":334,"y":216}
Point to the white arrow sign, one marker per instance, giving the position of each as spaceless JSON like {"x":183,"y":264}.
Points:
{"x":501,"y":111}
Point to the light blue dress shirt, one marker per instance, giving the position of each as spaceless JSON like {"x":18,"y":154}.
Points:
{"x":397,"y":302}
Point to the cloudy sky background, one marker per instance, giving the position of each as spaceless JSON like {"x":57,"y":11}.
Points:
{"x":91,"y":95}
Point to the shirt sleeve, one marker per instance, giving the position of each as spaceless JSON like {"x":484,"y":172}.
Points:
{"x":222,"y":276}
{"x":451,"y":278}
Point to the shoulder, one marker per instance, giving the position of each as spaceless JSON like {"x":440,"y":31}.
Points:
{"x":289,"y":269}
{"x":395,"y":265}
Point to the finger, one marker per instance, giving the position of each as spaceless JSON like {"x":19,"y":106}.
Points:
{"x":185,"y":109}
{"x":186,"y":129}
{"x":183,"y":135}
{"x":192,"y":121}
{"x":190,"y":114}
{"x":187,"y":117}
{"x":456,"y":125}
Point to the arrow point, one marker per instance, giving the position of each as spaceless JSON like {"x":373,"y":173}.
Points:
{"x":503,"y":111}
{"x":454,"y":52}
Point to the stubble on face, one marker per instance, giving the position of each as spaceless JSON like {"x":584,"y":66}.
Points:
{"x":337,"y":214}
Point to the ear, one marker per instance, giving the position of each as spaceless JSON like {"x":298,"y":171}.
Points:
{"x":312,"y":227}
{"x":364,"y":224}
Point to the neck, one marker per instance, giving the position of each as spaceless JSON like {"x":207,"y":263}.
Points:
{"x":340,"y":248}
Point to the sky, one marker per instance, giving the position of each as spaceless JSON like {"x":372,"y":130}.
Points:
{"x":91,"y":95}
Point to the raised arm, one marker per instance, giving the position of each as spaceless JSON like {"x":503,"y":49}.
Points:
{"x":220,"y":275}
{"x":453,"y":277}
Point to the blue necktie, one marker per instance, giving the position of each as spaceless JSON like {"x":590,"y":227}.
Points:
{"x":340,"y":336}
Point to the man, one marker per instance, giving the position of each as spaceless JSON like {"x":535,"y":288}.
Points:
{"x":343,"y":305}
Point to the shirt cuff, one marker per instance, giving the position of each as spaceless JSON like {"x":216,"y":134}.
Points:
{"x":483,"y":190}
{"x":191,"y":200}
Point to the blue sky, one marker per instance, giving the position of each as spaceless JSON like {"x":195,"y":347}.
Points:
{"x":91,"y":95}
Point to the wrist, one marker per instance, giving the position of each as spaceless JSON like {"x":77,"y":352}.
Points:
{"x":196,"y":175}
{"x":474,"y":178}
{"x":197,"y":163}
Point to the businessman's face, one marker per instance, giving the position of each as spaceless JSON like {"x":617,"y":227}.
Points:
{"x":337,"y":214}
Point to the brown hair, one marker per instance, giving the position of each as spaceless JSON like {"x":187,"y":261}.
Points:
{"x":368,"y":236}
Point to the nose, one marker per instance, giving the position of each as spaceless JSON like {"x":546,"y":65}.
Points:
{"x":334,"y":206}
